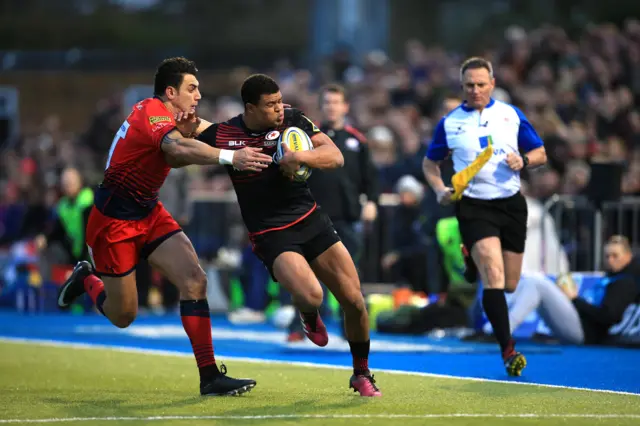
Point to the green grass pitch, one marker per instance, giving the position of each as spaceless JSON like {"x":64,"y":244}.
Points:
{"x":68,"y":385}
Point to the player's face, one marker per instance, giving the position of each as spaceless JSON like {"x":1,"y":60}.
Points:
{"x":186,"y":97}
{"x":478,"y":86}
{"x":270,"y":111}
{"x":334,"y":107}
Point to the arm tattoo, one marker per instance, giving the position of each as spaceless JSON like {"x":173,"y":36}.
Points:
{"x":171,"y":137}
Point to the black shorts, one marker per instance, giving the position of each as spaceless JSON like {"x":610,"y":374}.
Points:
{"x":310,"y":237}
{"x":505,"y":218}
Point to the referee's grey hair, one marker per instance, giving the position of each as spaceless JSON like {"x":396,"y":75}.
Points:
{"x":476,"y":62}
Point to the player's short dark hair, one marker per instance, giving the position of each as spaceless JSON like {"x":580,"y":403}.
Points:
{"x":475,"y":63}
{"x":171,"y":72}
{"x":257,"y":85}
{"x":335,"y":88}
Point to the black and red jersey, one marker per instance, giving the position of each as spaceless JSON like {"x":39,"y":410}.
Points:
{"x":268,"y":200}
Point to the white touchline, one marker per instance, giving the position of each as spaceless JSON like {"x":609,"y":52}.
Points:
{"x":126,"y":349}
{"x":330,"y":416}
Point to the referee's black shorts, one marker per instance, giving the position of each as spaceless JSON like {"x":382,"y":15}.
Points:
{"x":505,"y":218}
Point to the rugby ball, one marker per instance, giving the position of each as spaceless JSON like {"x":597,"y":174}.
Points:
{"x":296,"y":140}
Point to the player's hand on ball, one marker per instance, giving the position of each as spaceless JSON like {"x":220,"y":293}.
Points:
{"x":515,"y":161}
{"x":251,"y":159}
{"x":444,"y":196}
{"x":289,"y":163}
{"x":187,"y":123}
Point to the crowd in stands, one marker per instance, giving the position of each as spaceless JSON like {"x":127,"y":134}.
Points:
{"x":582,"y":94}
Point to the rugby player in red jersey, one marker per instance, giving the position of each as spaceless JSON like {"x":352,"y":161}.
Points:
{"x":128,"y":222}
{"x":295,"y":240}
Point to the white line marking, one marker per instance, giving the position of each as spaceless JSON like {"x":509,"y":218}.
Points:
{"x":332,"y":416}
{"x":278,"y":338}
{"x":126,"y":349}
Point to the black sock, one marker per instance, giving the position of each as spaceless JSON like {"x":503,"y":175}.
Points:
{"x":495,"y":306}
{"x":310,"y":318}
{"x":360,"y":355}
{"x":208,"y":372}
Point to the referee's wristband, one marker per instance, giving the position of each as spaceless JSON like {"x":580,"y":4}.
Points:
{"x":525,"y":161}
{"x":226,"y":157}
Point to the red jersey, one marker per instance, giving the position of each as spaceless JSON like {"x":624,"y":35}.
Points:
{"x":136,"y":167}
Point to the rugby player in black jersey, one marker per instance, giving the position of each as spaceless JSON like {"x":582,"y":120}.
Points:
{"x":294,"y":239}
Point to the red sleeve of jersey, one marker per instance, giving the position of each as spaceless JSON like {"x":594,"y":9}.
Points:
{"x":158,"y":122}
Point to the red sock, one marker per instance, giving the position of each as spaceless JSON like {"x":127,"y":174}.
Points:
{"x":95,"y":289}
{"x":197,"y":323}
{"x":94,"y":286}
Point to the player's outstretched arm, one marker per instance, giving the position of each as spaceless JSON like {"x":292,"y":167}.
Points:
{"x":189,"y":125}
{"x":325,"y":154}
{"x":202,"y":126}
{"x":180,"y":150}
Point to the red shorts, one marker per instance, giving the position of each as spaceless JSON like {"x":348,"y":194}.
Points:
{"x":116,"y":245}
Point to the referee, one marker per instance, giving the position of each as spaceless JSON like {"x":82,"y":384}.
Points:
{"x":492,"y":213}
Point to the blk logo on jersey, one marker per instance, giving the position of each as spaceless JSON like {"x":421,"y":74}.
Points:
{"x":237,"y":143}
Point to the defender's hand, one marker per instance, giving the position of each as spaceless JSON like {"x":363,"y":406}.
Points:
{"x":187,"y":123}
{"x":515,"y":161}
{"x":444,"y":196}
{"x":251,"y":159}
{"x":289,"y":163}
